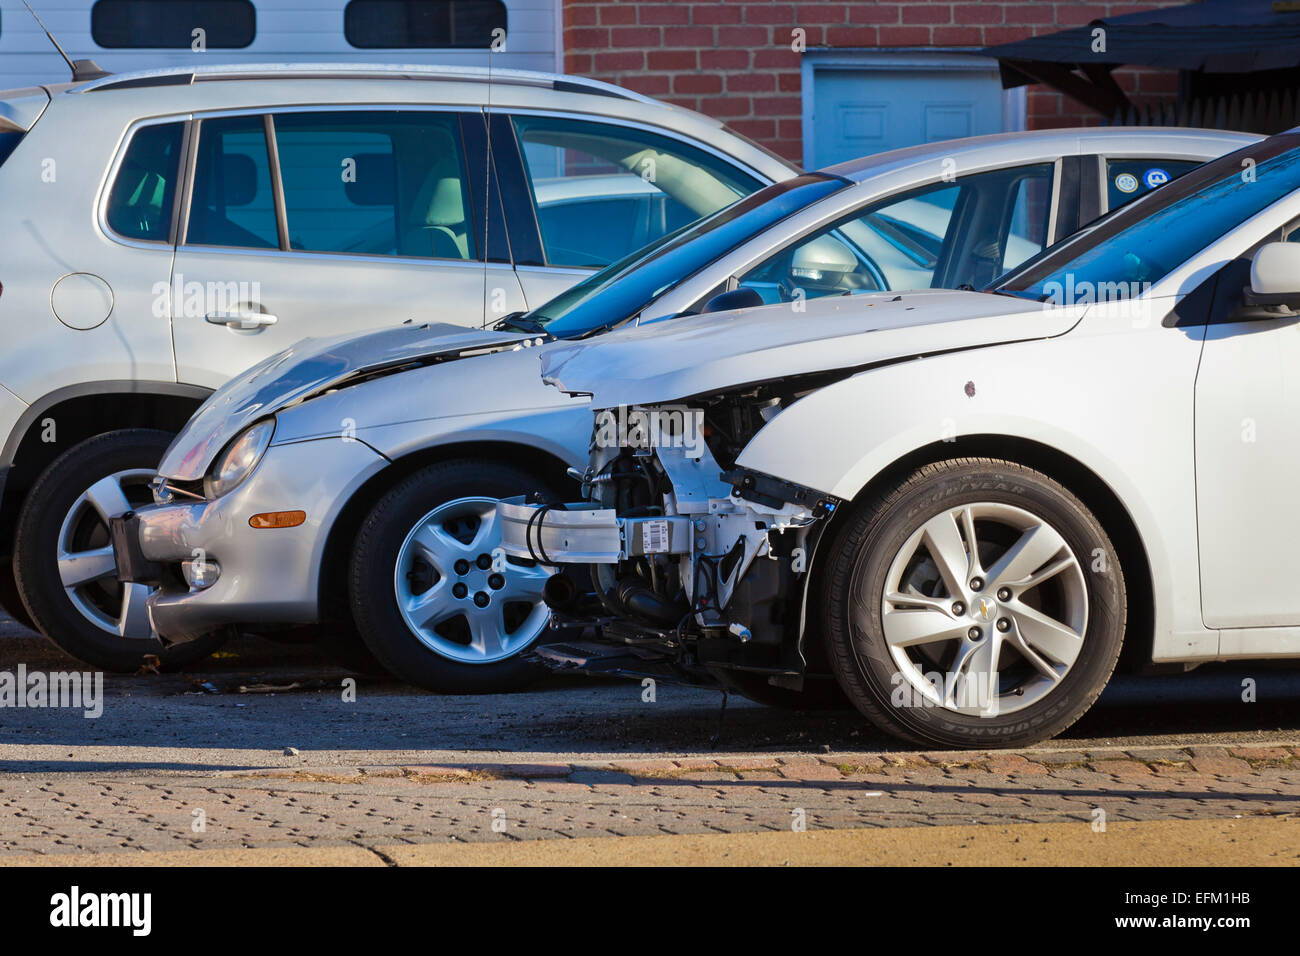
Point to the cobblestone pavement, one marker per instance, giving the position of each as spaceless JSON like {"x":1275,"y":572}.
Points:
{"x":173,"y":764}
{"x":385,"y":805}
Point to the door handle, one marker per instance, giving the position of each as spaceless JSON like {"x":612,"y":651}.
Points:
{"x":242,"y":319}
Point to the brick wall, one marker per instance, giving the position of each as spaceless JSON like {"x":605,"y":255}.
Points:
{"x":732,"y":59}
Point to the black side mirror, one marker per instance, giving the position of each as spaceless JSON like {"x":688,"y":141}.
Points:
{"x":741,"y":298}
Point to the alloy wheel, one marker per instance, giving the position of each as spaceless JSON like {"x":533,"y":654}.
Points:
{"x":459,"y":595}
{"x":87,"y":569}
{"x":985,"y":609}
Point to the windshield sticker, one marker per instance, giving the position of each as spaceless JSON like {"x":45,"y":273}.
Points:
{"x":1155,"y":177}
{"x":1126,"y":182}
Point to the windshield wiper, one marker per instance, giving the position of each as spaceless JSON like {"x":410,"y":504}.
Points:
{"x":519,"y":322}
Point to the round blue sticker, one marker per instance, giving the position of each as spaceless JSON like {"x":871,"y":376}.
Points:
{"x":1155,"y":177}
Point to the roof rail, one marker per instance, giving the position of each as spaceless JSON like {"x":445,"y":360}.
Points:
{"x":185,"y":75}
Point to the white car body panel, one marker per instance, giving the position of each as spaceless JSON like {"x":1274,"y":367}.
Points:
{"x":1107,"y":384}
{"x":689,"y":356}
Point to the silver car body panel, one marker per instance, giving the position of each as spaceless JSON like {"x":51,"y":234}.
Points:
{"x":74,"y":146}
{"x":307,"y":368}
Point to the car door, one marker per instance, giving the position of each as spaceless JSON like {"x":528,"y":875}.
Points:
{"x":1247,"y":429}
{"x":325,"y":221}
{"x":939,"y":235}
{"x":587,"y":192}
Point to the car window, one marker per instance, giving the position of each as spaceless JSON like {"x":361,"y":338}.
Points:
{"x":232,"y":203}
{"x":141,"y":199}
{"x":1031,"y":217}
{"x":632,"y":285}
{"x":375,"y":183}
{"x":939,"y":235}
{"x":1141,"y":243}
{"x":650,"y":185}
{"x":1127,"y":179}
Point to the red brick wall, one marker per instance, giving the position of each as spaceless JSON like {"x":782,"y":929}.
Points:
{"x":732,"y":59}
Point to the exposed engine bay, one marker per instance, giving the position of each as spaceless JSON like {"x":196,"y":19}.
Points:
{"x":693,"y":567}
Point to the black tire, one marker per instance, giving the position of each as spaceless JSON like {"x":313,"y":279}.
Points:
{"x":10,"y":600}
{"x":852,"y":591}
{"x":36,"y":568}
{"x":341,"y":642}
{"x":373,"y":567}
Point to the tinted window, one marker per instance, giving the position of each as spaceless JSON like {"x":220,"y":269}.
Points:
{"x":172,"y":24}
{"x":1143,"y":242}
{"x":1127,"y":179}
{"x":232,"y":203}
{"x":375,"y":183}
{"x":140,"y":202}
{"x":423,"y":24}
{"x":8,"y":143}
{"x":624,"y":288}
{"x":649,"y":185}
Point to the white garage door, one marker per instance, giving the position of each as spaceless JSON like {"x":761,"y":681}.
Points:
{"x":860,"y":110}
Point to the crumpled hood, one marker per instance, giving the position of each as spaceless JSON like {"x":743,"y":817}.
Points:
{"x":652,"y":364}
{"x":304,"y":369}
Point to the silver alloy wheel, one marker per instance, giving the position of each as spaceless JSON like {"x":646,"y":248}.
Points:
{"x":453,"y":598}
{"x":985,"y":609}
{"x":87,"y":569}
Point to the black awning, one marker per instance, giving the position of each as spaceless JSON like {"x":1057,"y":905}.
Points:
{"x":1217,"y":36}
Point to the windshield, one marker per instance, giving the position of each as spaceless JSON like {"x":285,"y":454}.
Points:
{"x":1141,"y":243}
{"x":624,"y":288}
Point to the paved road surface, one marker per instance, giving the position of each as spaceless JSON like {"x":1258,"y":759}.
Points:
{"x":398,"y":770}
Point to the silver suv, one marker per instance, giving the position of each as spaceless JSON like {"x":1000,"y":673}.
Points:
{"x":166,"y":230}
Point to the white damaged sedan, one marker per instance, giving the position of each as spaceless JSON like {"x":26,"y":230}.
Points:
{"x":959,"y":505}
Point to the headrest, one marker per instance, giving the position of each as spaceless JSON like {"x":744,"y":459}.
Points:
{"x":239,"y":179}
{"x":374,"y":183}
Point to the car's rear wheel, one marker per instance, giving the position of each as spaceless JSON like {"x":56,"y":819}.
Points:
{"x":63,"y":556}
{"x":978,"y":603}
{"x":434,"y":599}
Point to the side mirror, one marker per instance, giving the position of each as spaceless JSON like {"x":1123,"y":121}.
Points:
{"x":741,"y":298}
{"x":1275,"y":278}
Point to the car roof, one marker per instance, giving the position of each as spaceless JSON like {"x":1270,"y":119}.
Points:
{"x":258,"y":86}
{"x":189,"y":75}
{"x":1137,"y":142}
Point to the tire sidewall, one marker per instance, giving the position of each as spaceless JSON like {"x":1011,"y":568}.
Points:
{"x":871,"y":554}
{"x":373,"y":567}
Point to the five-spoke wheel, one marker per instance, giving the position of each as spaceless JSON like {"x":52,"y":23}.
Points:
{"x":978,"y":602}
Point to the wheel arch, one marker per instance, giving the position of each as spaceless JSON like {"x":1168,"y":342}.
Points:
{"x":79,"y":412}
{"x":332,"y":582}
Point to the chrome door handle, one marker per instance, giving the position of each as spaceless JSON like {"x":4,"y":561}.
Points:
{"x":242,"y":319}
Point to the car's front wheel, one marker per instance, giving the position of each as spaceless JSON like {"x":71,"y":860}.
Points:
{"x":63,"y":556}
{"x":977,"y":603}
{"x":432,"y":595}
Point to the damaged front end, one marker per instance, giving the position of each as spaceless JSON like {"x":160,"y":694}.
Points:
{"x":696,"y":567}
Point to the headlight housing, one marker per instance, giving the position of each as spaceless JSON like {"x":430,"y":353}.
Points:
{"x":239,"y":458}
